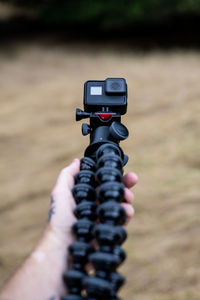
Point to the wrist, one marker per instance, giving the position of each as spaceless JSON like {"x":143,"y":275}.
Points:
{"x":57,"y":236}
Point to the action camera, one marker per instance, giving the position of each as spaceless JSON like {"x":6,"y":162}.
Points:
{"x":107,"y":95}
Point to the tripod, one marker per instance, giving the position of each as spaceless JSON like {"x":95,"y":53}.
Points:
{"x":100,"y":178}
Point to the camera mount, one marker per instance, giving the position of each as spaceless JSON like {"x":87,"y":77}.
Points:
{"x":98,"y":192}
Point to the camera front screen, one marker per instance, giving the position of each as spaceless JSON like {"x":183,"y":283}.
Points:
{"x":96,"y":90}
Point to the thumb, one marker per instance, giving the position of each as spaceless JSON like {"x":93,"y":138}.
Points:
{"x":74,"y":167}
{"x":66,"y":176}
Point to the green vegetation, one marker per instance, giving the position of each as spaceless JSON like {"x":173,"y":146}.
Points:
{"x":110,"y":14}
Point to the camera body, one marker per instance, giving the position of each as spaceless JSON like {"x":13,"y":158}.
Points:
{"x":107,"y":95}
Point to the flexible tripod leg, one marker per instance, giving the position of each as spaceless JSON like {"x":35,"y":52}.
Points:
{"x":85,"y":197}
{"x":109,"y":233}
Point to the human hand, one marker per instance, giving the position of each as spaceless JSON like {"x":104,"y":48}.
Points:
{"x":61,"y":216}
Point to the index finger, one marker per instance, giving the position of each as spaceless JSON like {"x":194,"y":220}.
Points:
{"x":130,"y":179}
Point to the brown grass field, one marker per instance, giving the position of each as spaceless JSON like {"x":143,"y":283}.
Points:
{"x":40,"y":87}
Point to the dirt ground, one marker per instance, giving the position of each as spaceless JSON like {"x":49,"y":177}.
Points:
{"x":40,"y":87}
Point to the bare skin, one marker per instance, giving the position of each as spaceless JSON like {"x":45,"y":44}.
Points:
{"x":40,"y":277}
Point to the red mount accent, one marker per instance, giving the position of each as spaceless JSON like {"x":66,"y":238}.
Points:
{"x":105,"y":116}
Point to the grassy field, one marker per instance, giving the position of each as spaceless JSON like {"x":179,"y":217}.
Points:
{"x":40,"y":87}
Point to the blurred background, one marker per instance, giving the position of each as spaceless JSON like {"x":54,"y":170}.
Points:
{"x":48,"y":49}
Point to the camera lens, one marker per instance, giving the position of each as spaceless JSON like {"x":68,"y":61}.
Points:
{"x":115,"y":86}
